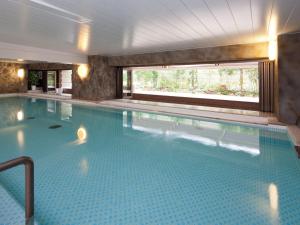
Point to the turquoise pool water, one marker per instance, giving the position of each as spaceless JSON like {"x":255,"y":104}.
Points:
{"x":105,"y":166}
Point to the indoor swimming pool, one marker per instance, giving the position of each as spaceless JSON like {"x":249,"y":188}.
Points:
{"x":98,"y":165}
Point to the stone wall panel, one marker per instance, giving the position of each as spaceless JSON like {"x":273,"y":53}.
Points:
{"x":9,"y":80}
{"x":289,"y":78}
{"x":100,"y":84}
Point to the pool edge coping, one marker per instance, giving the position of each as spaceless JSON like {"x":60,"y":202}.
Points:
{"x":292,"y":130}
{"x":103,"y":103}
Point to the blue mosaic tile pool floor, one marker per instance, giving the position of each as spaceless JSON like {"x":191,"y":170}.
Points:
{"x":121,"y":167}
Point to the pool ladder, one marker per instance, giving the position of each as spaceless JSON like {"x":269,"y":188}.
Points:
{"x":29,"y":182}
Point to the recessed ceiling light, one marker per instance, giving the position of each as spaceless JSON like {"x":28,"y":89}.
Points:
{"x":20,"y":60}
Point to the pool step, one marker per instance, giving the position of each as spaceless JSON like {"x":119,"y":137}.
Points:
{"x":294,"y":133}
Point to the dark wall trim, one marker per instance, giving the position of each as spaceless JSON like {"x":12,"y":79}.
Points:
{"x":198,"y":101}
{"x":58,"y":75}
{"x":266,"y":86}
{"x":49,"y":66}
{"x":199,"y":63}
{"x":119,"y":82}
{"x":45,"y":81}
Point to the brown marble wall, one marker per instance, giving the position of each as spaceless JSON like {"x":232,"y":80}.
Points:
{"x":201,"y":55}
{"x":289,"y":78}
{"x":99,"y":84}
{"x":9,"y":80}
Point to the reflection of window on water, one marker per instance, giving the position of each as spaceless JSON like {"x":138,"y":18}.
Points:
{"x":198,"y":124}
{"x":51,"y":106}
{"x":232,"y":138}
{"x":177,"y":120}
{"x":125,"y":122}
{"x":66,"y":111}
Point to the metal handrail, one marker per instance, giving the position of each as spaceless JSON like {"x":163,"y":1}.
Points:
{"x":29,"y":181}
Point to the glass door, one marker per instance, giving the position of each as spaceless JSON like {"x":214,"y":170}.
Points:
{"x":51,"y":80}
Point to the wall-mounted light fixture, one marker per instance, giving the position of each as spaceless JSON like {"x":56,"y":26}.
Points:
{"x":21,"y":73}
{"x":83,"y":71}
{"x":273,"y":39}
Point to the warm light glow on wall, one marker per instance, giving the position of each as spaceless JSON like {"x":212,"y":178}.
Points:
{"x":20,"y":115}
{"x":83,"y":71}
{"x":81,"y":134}
{"x":21,"y":73}
{"x":83,"y":37}
{"x":273,"y":27}
{"x":273,"y":196}
{"x":273,"y":38}
{"x":272,"y":50}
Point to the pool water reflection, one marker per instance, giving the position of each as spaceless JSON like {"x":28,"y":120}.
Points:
{"x":107,"y":166}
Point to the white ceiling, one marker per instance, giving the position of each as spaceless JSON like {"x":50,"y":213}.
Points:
{"x":119,"y":27}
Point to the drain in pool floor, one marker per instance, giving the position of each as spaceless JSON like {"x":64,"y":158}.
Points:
{"x":55,"y":126}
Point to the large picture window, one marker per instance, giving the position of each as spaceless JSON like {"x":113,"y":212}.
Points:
{"x":66,"y":79}
{"x":233,"y":82}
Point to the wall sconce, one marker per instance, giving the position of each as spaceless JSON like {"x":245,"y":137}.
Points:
{"x":83,"y":71}
{"x":21,"y":73}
